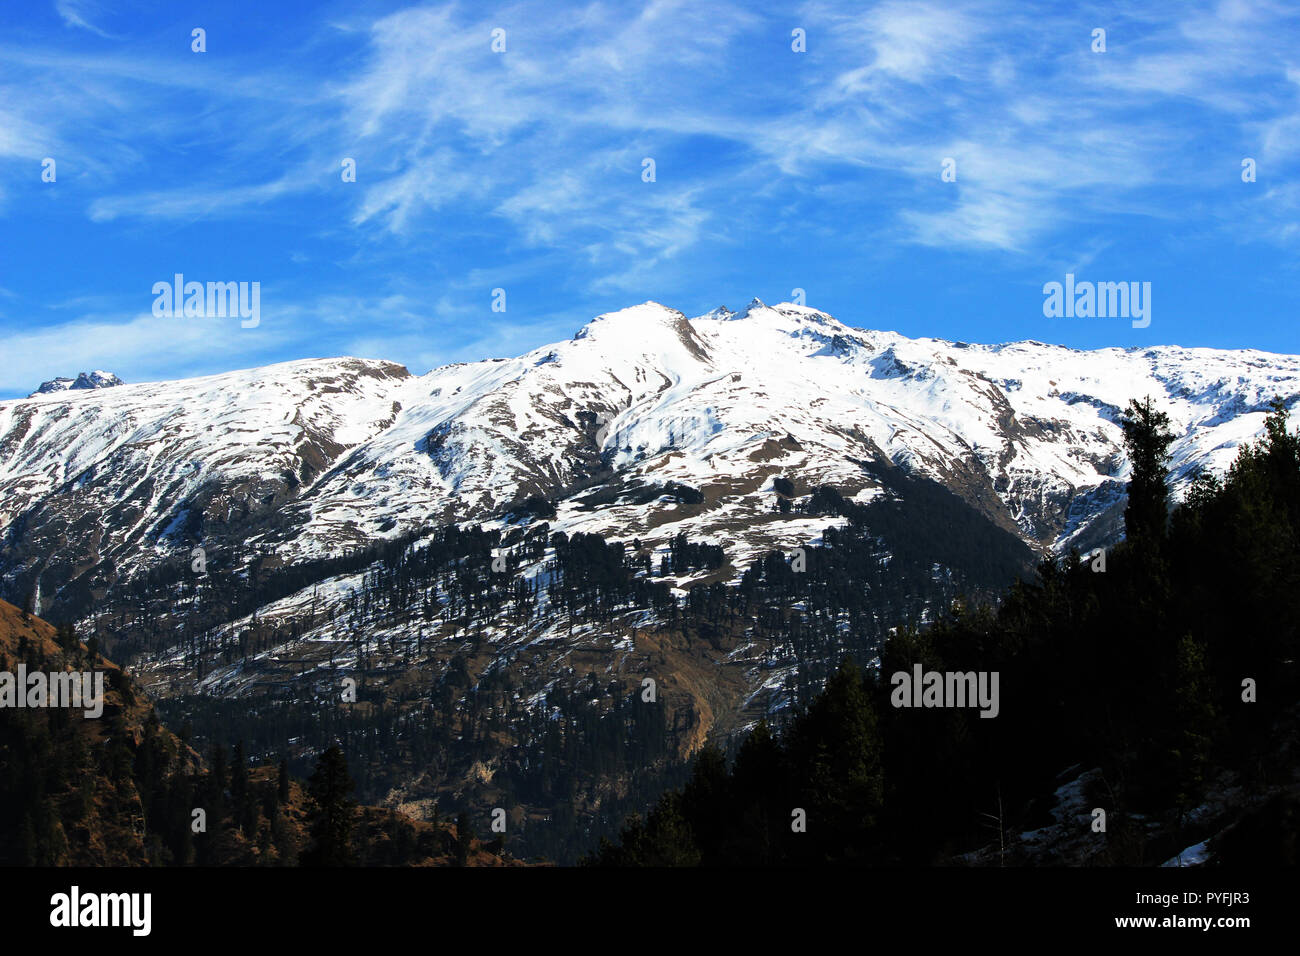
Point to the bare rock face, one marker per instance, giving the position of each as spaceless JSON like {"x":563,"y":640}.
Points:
{"x":85,"y":380}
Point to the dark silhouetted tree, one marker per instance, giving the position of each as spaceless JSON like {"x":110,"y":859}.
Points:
{"x":333,"y":812}
{"x":464,"y":837}
{"x":1147,"y":439}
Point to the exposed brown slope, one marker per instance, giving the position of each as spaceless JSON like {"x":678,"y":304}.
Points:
{"x":94,"y":813}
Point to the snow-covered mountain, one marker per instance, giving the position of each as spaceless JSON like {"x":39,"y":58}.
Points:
{"x":314,"y":457}
{"x":420,"y":534}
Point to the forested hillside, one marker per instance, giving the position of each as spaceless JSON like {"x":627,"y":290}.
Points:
{"x":121,"y":790}
{"x":1157,"y":684}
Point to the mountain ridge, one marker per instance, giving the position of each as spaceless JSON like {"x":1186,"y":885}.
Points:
{"x":725,"y":505}
{"x":314,"y":456}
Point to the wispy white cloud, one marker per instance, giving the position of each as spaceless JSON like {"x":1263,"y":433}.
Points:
{"x":547,"y":134}
{"x":202,"y":203}
{"x":533,"y":157}
{"x":77,"y":13}
{"x":139,"y":347}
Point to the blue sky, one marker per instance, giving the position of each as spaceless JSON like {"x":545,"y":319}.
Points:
{"x":522,"y":170}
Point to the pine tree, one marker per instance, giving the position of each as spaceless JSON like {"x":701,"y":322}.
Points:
{"x":1147,"y":439}
{"x":239,"y":781}
{"x":464,"y":836}
{"x":219,"y":777}
{"x":286,"y":849}
{"x":1195,"y":712}
{"x":333,"y":813}
{"x":282,"y":785}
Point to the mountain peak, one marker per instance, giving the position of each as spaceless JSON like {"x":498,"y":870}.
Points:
{"x":640,"y":326}
{"x":85,"y":380}
{"x":633,"y":315}
{"x":723,"y":314}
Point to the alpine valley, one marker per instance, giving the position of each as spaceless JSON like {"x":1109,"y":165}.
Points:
{"x":542,"y":583}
